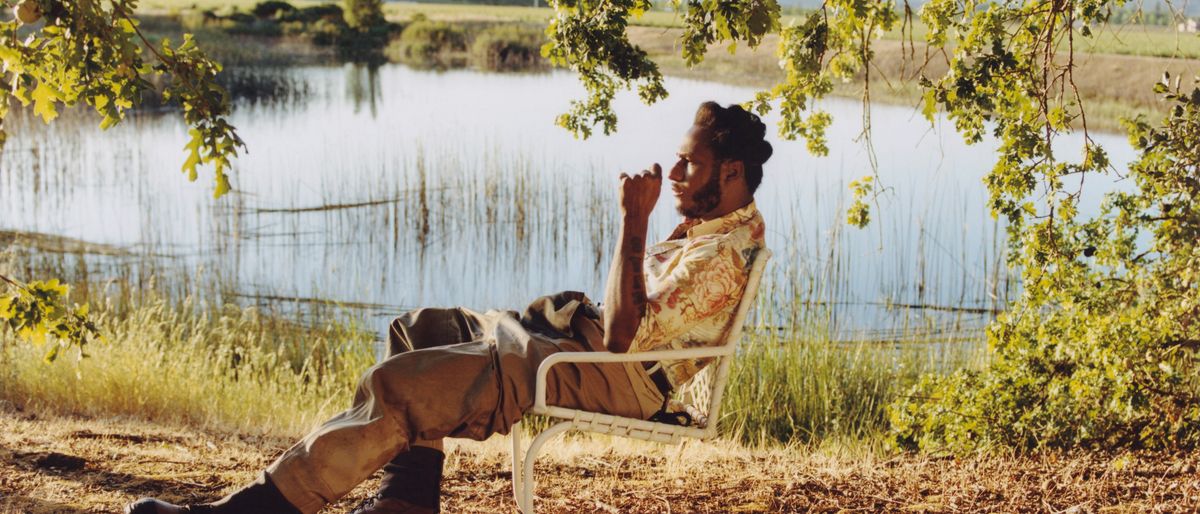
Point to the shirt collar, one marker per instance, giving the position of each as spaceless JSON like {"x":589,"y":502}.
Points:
{"x":724,"y":224}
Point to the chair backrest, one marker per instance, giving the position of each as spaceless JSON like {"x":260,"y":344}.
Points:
{"x":720,"y":369}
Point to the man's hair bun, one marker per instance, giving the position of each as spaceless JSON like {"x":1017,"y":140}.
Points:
{"x":737,"y":134}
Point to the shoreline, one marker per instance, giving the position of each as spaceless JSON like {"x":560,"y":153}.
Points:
{"x":1113,"y":86}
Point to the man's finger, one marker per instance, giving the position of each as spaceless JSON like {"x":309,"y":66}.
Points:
{"x":657,"y":170}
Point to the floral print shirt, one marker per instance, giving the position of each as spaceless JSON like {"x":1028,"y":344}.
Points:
{"x":694,"y":280}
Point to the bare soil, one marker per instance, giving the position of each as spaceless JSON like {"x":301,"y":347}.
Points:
{"x":69,"y":464}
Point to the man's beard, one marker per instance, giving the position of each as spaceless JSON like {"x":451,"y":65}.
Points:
{"x":704,"y":200}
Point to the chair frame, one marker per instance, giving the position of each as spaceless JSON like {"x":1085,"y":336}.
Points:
{"x":585,"y":421}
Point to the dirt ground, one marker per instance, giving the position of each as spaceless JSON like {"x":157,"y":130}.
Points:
{"x":64,"y":464}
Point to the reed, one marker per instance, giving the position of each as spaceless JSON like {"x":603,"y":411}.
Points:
{"x":812,"y":390}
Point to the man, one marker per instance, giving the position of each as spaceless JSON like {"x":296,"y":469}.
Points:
{"x":459,"y":373}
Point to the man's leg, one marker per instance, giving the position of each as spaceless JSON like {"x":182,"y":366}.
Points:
{"x":412,"y":480}
{"x":329,"y":461}
{"x":427,"y":394}
{"x":469,"y":390}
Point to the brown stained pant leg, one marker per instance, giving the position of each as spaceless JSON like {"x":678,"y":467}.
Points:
{"x":430,"y":328}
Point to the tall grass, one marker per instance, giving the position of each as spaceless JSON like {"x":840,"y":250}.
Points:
{"x":813,"y":390}
{"x":245,"y":369}
{"x":215,"y":366}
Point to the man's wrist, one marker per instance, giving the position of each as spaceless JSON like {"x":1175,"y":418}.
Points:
{"x":635,"y":222}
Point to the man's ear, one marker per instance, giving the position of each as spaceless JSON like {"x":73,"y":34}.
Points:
{"x":732,"y":170}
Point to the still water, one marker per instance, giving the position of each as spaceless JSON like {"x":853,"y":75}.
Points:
{"x":390,"y":188}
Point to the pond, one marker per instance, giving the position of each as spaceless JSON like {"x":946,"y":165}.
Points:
{"x":388,"y":188}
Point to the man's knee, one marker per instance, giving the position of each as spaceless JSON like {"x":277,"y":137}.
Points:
{"x":430,"y":328}
{"x":398,"y":341}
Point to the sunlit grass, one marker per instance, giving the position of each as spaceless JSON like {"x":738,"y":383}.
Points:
{"x":221,"y":367}
{"x":242,"y":369}
{"x":812,"y":390}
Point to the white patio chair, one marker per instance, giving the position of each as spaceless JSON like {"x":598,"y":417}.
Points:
{"x":523,"y":481}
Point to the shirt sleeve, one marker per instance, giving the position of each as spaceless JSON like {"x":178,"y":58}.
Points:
{"x":708,"y":281}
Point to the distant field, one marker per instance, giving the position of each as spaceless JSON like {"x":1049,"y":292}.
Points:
{"x":1118,"y":39}
{"x":1136,"y":40}
{"x":1115,"y":68}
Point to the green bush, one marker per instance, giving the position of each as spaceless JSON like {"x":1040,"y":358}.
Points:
{"x":363,"y":14}
{"x":1101,"y":350}
{"x":327,"y":12}
{"x":508,"y":47}
{"x":367,"y":31}
{"x":428,"y":43}
{"x":325,"y":32}
{"x":272,"y":9}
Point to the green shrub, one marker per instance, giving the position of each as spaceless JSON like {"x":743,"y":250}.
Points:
{"x":508,"y":47}
{"x":272,"y":9}
{"x":325,"y":32}
{"x":328,"y":12}
{"x":428,"y":43}
{"x":1101,"y":349}
{"x":363,"y":14}
{"x":293,"y":28}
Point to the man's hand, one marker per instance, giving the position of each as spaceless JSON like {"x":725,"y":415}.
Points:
{"x":625,"y":296}
{"x":639,"y":192}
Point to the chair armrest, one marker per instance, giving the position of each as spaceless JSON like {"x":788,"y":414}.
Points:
{"x":658,"y":355}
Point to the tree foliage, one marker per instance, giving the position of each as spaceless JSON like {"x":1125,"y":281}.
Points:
{"x":37,"y":313}
{"x":59,"y":53}
{"x":589,"y":37}
{"x":1100,"y":351}
{"x":363,"y":14}
{"x":55,"y":54}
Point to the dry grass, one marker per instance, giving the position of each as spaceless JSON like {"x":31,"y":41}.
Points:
{"x":242,"y":369}
{"x":64,"y":464}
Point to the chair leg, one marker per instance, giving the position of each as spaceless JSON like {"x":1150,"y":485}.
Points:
{"x":517,"y":475}
{"x":527,"y":482}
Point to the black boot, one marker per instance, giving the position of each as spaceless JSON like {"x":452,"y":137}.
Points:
{"x":260,"y":497}
{"x":415,"y":476}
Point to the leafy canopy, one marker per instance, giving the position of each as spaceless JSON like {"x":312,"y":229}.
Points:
{"x":60,"y":53}
{"x":56,"y":54}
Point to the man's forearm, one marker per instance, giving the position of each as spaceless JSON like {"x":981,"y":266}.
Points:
{"x":625,"y":298}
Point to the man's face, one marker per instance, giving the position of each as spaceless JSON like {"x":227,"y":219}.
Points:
{"x":695,"y":178}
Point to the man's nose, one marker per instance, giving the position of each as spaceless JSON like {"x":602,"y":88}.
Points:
{"x":677,"y":172}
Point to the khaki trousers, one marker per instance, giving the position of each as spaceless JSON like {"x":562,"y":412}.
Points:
{"x":459,"y":373}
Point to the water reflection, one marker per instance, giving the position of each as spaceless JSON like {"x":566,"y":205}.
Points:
{"x":388,"y":188}
{"x":362,"y":86}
